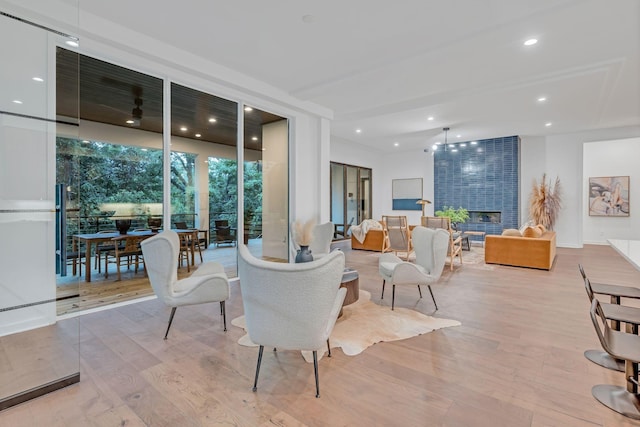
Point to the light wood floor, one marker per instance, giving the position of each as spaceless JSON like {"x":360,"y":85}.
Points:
{"x":517,"y":360}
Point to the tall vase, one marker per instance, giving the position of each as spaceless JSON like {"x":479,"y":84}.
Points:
{"x":304,"y":254}
{"x":123,"y":225}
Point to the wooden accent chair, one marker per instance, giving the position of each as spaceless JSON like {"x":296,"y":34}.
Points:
{"x":455,"y":238}
{"x":126,"y":250}
{"x":397,"y":237}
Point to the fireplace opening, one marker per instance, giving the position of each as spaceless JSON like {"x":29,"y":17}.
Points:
{"x":485,"y":217}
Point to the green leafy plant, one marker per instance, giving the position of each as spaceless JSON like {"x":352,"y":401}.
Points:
{"x":457,"y":216}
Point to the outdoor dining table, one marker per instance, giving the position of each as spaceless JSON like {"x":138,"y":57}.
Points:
{"x":91,"y":239}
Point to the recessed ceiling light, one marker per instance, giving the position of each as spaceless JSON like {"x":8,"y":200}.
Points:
{"x":473,"y":142}
{"x":452,"y":145}
{"x":198,"y":135}
{"x":358,"y":130}
{"x":144,"y":149}
{"x":542,"y":99}
{"x":17,"y":101}
{"x":430,"y":118}
{"x":463,"y":145}
{"x":130,"y":122}
{"x":438,"y":142}
{"x":212,"y":120}
{"x":254,"y":138}
{"x":434,"y":147}
{"x":72,"y":43}
{"x":37,"y":79}
{"x":548,"y":124}
{"x":395,"y":144}
{"x":458,"y":136}
{"x":184,"y":129}
{"x":248,"y":109}
{"x":530,"y":42}
{"x":455,"y":150}
{"x":84,"y":141}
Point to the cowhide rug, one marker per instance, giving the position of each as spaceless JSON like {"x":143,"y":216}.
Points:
{"x":365,"y":323}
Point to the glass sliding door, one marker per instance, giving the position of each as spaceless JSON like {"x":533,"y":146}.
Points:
{"x":109,"y":177}
{"x":204,"y":171}
{"x":39,"y":352}
{"x":350,"y":197}
{"x":266,"y":184}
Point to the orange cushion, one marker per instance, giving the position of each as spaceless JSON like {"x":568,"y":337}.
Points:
{"x":512,"y":232}
{"x":532,"y":232}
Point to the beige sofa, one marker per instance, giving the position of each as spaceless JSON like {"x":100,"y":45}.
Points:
{"x":533,"y":252}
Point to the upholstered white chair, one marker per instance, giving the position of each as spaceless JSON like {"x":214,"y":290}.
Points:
{"x":208,"y":283}
{"x":320,"y":244}
{"x":291,"y":306}
{"x":431,"y":248}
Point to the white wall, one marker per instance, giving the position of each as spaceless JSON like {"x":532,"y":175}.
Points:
{"x":612,"y":158}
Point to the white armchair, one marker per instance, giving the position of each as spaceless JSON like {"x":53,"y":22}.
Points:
{"x":291,"y":306}
{"x":431,"y":248}
{"x":208,"y":283}
{"x":320,"y":244}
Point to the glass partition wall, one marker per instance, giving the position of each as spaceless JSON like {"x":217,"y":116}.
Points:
{"x":39,"y":352}
{"x":266,"y":184}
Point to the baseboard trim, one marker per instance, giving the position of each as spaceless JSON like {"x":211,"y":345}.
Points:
{"x":24,"y":396}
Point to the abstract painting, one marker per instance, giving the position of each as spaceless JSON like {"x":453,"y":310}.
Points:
{"x":609,"y":196}
{"x":405,"y":193}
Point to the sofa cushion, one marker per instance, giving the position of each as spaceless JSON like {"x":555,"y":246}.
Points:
{"x":512,"y":232}
{"x":532,"y":232}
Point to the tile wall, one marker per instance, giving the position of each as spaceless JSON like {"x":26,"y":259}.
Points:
{"x":480,"y":177}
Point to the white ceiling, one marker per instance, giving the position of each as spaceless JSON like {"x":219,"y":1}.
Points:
{"x":385,"y":66}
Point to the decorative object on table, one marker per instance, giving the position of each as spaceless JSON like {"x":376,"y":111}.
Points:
{"x":423,"y":203}
{"x":456,"y":216}
{"x":365,"y":323}
{"x":123,"y":225}
{"x":303,"y":236}
{"x":545,"y":202}
{"x":406,"y":193}
{"x":609,"y":196}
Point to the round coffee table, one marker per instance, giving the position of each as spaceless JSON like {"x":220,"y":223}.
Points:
{"x":350,"y":281}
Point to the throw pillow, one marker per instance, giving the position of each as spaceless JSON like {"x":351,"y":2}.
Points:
{"x":532,"y":232}
{"x":512,"y":232}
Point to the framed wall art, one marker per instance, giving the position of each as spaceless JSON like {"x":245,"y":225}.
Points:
{"x":609,"y":196}
{"x":405,"y":193}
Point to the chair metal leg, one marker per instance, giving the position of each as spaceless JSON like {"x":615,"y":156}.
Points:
{"x":315,"y":370}
{"x":420,"y":291}
{"x":329,"y":347}
{"x":393,"y":296}
{"x":173,"y":312}
{"x":383,"y":283}
{"x":432,"y":297}
{"x":604,"y":359}
{"x":223,"y":311}
{"x":255,"y":383}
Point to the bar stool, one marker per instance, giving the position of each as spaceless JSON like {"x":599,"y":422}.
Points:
{"x":622,"y":346}
{"x":615,"y":313}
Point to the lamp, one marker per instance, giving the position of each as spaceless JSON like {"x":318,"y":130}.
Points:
{"x":423,"y":202}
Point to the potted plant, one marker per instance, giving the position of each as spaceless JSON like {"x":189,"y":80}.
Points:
{"x":456,"y":216}
{"x":545,"y":202}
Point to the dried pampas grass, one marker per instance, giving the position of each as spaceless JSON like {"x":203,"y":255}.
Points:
{"x":545,"y":202}
{"x":303,"y":232}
